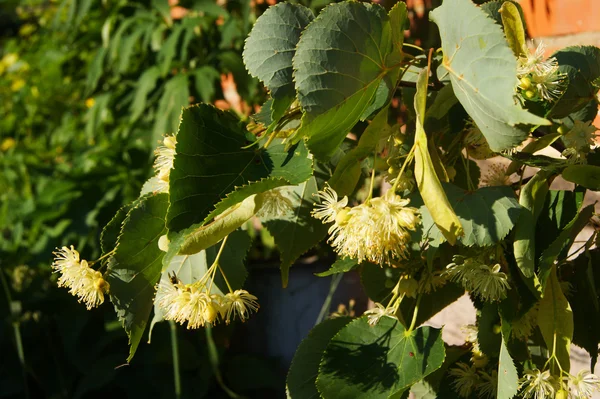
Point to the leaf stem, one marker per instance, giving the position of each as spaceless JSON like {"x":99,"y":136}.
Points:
{"x":17,"y":333}
{"x":415,"y":313}
{"x":335,"y":281}
{"x":408,"y":159}
{"x":213,"y":355}
{"x":175,"y":352}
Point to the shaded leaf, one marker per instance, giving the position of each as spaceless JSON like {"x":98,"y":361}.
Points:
{"x":555,"y":320}
{"x":363,"y":361}
{"x":531,"y":199}
{"x":297,"y":231}
{"x":561,"y":244}
{"x":135,"y":268}
{"x":212,"y":172}
{"x":581,"y":64}
{"x":587,"y":176}
{"x":348,"y":170}
{"x":474,"y":44}
{"x":487,"y":214}
{"x":341,"y":265}
{"x":303,"y":372}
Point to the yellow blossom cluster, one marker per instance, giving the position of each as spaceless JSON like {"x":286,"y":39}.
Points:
{"x":84,"y":282}
{"x":165,"y":155}
{"x":376,"y":231}
{"x":539,"y":78}
{"x":487,"y":282}
{"x":192,"y":303}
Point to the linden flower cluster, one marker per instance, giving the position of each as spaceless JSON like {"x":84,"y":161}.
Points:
{"x":165,"y":154}
{"x":193,"y":303}
{"x":487,"y":282}
{"x":376,"y":231}
{"x":469,"y":379}
{"x":84,"y":282}
{"x":579,"y":140}
{"x":539,"y":78}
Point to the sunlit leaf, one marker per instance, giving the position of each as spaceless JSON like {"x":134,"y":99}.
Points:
{"x":472,"y":44}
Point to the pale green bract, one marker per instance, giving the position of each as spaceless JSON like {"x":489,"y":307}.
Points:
{"x":483,"y":72}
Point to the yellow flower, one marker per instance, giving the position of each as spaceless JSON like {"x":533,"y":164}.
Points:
{"x":239,"y":304}
{"x":84,"y":282}
{"x":66,"y":262}
{"x":17,"y":85}
{"x":9,"y":59}
{"x":583,"y":385}
{"x":489,"y":384}
{"x":7,"y":144}
{"x":537,"y":385}
{"x":539,"y":78}
{"x":581,"y":137}
{"x":496,"y":176}
{"x":466,"y":379}
{"x":165,"y":155}
{"x":90,"y":102}
{"x":376,"y":231}
{"x":275,"y":203}
{"x":329,"y":207}
{"x":487,"y":282}
{"x":90,"y":287}
{"x":379,"y":311}
{"x":193,"y":304}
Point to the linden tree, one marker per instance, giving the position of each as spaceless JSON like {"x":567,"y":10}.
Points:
{"x":410,"y":203}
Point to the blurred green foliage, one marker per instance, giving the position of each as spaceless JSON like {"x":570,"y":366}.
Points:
{"x":87,"y":88}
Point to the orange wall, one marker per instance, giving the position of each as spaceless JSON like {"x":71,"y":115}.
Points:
{"x":561,"y":17}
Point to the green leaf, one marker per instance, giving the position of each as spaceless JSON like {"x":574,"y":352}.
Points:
{"x":431,"y":303}
{"x":297,"y":231}
{"x":487,"y":336}
{"x":145,"y":85}
{"x":303,"y":372}
{"x":492,"y":8}
{"x":587,"y":176}
{"x":431,"y":190}
{"x":487,"y":214}
{"x":168,"y":50}
{"x":175,"y":96}
{"x":341,"y":265}
{"x":508,"y":378}
{"x":563,"y":242}
{"x":109,"y":238}
{"x":340,"y":62}
{"x":474,"y":44}
{"x":531,"y":199}
{"x":205,"y":79}
{"x":555,"y":320}
{"x":212,"y":172}
{"x":581,"y":64}
{"x":584,"y":299}
{"x":270,"y":47}
{"x":378,"y":281}
{"x":135,"y":268}
{"x":532,"y":147}
{"x":363,"y":361}
{"x":348,"y":170}
{"x":513,"y":27}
